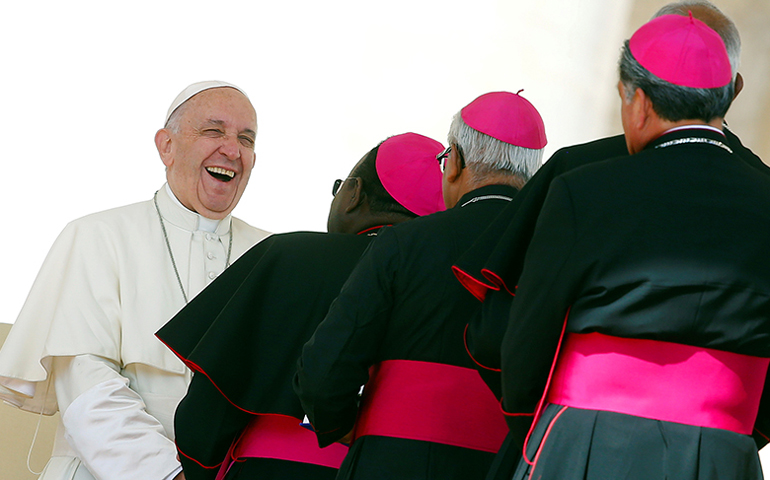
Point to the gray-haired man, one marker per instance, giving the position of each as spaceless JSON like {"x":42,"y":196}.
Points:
{"x":84,"y":342}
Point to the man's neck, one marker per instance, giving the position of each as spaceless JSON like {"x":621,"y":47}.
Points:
{"x":515,"y":181}
{"x":659,"y":127}
{"x":204,"y":224}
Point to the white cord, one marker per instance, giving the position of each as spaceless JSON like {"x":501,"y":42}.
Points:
{"x":37,"y":428}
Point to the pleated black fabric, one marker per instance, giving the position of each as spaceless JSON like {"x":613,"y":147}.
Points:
{"x":596,"y":445}
{"x":259,"y":468}
{"x":382,"y":458}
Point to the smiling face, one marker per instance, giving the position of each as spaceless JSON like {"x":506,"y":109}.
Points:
{"x":210,"y":156}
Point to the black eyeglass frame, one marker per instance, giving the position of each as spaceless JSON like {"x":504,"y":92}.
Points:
{"x":441,"y":157}
{"x":336,"y":188}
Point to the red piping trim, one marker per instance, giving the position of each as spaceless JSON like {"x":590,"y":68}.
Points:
{"x":197,"y":368}
{"x":477,"y":288}
{"x":542,"y":442}
{"x":762,"y":435}
{"x":465,"y":342}
{"x":539,"y":410}
{"x":373,"y":228}
{"x":229,"y":457}
{"x":196,"y":461}
{"x":497,"y":280}
{"x":507,"y":414}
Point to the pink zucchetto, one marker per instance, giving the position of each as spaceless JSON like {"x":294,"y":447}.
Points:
{"x":195,"y":89}
{"x":508,"y":117}
{"x":683,"y":51}
{"x":407,"y":167}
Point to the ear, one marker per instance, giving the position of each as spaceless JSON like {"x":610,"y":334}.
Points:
{"x":164,"y":145}
{"x":354,"y":195}
{"x":641,"y":110}
{"x":452,"y":170}
{"x":738,"y":84}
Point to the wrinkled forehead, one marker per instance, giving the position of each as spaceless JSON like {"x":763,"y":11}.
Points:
{"x":220,"y":105}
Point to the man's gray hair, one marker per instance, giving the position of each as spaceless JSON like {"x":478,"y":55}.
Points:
{"x":673,"y":102}
{"x":485,"y":155}
{"x":719,"y":22}
{"x":174,"y":122}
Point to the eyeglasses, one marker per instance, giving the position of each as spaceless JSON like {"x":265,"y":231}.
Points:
{"x":442,"y":157}
{"x":336,"y":188}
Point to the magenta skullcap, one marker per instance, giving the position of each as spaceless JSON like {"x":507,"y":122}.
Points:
{"x":683,"y":51}
{"x":508,"y":117}
{"x":407,"y":167}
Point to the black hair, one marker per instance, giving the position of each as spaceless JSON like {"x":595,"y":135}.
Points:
{"x":380,"y":201}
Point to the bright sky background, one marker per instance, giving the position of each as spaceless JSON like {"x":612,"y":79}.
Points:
{"x":87,"y":83}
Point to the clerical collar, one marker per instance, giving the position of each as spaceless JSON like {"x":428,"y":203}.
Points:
{"x":690,"y":127}
{"x":204,"y":224}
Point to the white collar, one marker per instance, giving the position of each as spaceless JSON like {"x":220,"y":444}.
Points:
{"x":688,"y":127}
{"x":204,"y":224}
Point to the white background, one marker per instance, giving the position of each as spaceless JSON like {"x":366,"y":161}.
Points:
{"x":86,"y":84}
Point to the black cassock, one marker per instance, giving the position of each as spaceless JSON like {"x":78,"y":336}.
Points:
{"x":500,"y":251}
{"x":670,"y":246}
{"x":242,"y":336}
{"x":401,"y":303}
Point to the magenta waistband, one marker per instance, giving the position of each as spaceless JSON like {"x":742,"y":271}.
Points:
{"x":659,"y":380}
{"x":282,"y":438}
{"x":431,"y":402}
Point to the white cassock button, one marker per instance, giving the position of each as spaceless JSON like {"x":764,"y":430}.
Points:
{"x":212,"y":275}
{"x":210,"y":255}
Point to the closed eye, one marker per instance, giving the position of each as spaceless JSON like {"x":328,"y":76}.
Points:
{"x":247,"y":141}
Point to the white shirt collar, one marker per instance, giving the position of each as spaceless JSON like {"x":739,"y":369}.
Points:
{"x":688,"y":127}
{"x":204,"y":224}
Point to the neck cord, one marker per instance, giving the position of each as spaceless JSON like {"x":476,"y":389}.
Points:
{"x":487,"y":197}
{"x":37,"y":428}
{"x":171,"y":254}
{"x":708,"y":141}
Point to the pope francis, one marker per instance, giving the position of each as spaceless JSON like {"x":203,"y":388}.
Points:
{"x":84,"y":341}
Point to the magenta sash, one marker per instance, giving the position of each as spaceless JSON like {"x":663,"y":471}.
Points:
{"x":659,"y":380}
{"x":431,"y":402}
{"x":282,"y":438}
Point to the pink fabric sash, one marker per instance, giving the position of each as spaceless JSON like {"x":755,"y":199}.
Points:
{"x":280,"y":437}
{"x":659,"y":380}
{"x":431,"y":402}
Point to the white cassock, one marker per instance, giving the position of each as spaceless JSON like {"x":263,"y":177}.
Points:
{"x":84,"y":342}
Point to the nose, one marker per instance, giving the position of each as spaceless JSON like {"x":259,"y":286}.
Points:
{"x":230,"y":147}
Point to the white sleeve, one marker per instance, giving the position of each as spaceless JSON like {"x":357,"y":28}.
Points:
{"x":106,"y":423}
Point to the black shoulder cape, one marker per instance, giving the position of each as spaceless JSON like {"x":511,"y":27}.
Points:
{"x":243,"y":334}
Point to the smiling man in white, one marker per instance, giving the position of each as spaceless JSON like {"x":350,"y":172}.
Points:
{"x":84,"y":342}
